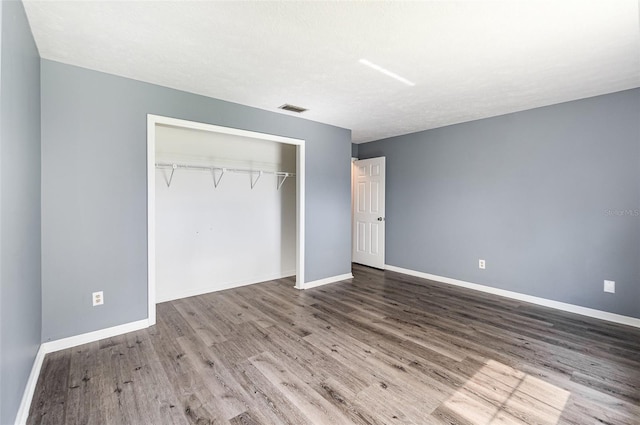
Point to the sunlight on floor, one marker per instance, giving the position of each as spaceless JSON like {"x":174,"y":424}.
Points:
{"x":499,"y":394}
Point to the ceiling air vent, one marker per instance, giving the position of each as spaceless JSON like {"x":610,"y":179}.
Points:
{"x":292,"y":108}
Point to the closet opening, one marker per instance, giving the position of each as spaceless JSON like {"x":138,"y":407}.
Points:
{"x":225,"y":208}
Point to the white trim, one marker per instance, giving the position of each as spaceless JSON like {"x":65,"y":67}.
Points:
{"x":224,"y":286}
{"x":353,"y":204}
{"x":327,"y":280}
{"x":300,"y":215}
{"x":74,"y":341}
{"x":61,"y":344}
{"x":152,"y":121}
{"x":29,"y":390}
{"x":176,"y":122}
{"x":571,"y":308}
{"x":151,"y":220}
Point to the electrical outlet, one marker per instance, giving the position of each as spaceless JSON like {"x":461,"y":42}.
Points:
{"x":610,"y":286}
{"x":98,"y":298}
{"x":481,"y":264}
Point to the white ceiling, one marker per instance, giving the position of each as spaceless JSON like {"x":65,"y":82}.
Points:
{"x":468,"y":59}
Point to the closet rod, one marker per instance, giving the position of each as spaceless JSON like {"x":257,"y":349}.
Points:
{"x":210,"y":168}
{"x":222,"y":170}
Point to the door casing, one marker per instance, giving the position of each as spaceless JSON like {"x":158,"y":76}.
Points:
{"x":152,"y":122}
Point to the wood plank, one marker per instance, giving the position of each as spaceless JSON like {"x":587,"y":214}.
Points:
{"x":191,"y":392}
{"x":227,"y":395}
{"x":50,"y":397}
{"x":83,"y":398}
{"x":308,"y":401}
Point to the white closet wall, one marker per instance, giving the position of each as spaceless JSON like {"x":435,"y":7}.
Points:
{"x":209,"y":238}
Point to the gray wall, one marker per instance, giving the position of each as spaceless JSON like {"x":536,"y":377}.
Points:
{"x":94,"y":191}
{"x":354,"y":150}
{"x":541,"y":195}
{"x":20,"y":300}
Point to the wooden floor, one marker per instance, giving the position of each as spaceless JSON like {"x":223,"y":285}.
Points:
{"x":383,"y":349}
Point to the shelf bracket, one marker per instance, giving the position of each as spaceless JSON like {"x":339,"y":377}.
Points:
{"x":253,"y":182}
{"x":173,"y":170}
{"x":281,"y":182}
{"x":216,"y":181}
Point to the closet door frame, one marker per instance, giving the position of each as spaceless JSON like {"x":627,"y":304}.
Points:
{"x":152,"y":122}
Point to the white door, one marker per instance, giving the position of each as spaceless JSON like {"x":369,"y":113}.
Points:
{"x":368,"y":212}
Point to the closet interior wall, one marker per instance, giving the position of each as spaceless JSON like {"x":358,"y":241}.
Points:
{"x":212,"y":238}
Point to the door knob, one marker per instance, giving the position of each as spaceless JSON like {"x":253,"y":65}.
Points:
{"x":380,"y":218}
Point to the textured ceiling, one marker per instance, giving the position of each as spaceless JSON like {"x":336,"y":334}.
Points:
{"x":468,"y":60}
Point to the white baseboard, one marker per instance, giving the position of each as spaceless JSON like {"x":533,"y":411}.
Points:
{"x":326,"y":281}
{"x":30,"y":388}
{"x":61,"y":344}
{"x":571,"y":308}
{"x":221,"y":286}
{"x":74,"y":341}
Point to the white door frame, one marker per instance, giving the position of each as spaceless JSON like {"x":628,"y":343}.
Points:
{"x":152,"y":121}
{"x":353,"y":202}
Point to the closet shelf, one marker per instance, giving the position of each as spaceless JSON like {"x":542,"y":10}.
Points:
{"x":281,"y":175}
